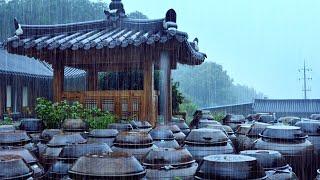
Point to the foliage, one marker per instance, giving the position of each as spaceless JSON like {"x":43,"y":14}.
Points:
{"x":6,"y":121}
{"x":177,"y":97}
{"x":209,"y":85}
{"x":137,"y":15}
{"x":189,"y":107}
{"x":218,"y":116}
{"x":53,"y":114}
{"x":47,"y":12}
{"x":51,"y":12}
{"x":101,"y":122}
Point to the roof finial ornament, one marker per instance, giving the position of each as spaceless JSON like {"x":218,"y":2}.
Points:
{"x":195,"y":44}
{"x":116,"y":11}
{"x":18,"y":28}
{"x":170,"y":22}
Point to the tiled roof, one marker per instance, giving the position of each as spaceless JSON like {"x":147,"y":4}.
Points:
{"x":106,"y":33}
{"x":20,"y":65}
{"x":287,"y":105}
{"x":14,"y":64}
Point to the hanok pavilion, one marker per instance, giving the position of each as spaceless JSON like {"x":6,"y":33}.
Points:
{"x":114,"y":44}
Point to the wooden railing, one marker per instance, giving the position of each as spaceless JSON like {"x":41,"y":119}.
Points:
{"x":124,"y":104}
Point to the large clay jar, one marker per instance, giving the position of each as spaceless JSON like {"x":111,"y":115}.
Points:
{"x":70,"y":154}
{"x":170,"y":163}
{"x":134,"y":143}
{"x":230,"y":166}
{"x":112,"y":165}
{"x":273,"y":163}
{"x":204,"y":142}
{"x":312,"y":129}
{"x":14,"y":167}
{"x":292,"y":143}
{"x":163,"y":138}
{"x":103,"y":136}
{"x":247,"y":134}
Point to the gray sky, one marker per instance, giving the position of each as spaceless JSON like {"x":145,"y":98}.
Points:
{"x":261,"y":44}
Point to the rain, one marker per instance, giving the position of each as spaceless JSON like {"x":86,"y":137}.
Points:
{"x":119,"y":89}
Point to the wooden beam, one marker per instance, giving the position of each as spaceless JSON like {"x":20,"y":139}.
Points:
{"x":148,"y":88}
{"x":58,"y":80}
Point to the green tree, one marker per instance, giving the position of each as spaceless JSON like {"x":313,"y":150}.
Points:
{"x":137,"y":15}
{"x":177,"y":97}
{"x":210,"y":85}
{"x":47,"y":12}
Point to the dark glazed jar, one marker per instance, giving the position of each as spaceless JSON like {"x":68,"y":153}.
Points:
{"x":29,"y":158}
{"x":31,"y":125}
{"x":7,"y":128}
{"x":55,"y":146}
{"x":231,"y":134}
{"x":14,"y":167}
{"x":163,"y":138}
{"x":204,"y":142}
{"x":292,"y":143}
{"x":315,"y":116}
{"x":182,"y":125}
{"x":120,"y":126}
{"x":103,"y":136}
{"x":143,"y":126}
{"x":290,"y":120}
{"x":18,"y":138}
{"x":112,"y":165}
{"x":179,"y":136}
{"x":234,"y":121}
{"x":170,"y":163}
{"x":230,"y":166}
{"x":247,"y":134}
{"x":312,"y":129}
{"x":273,"y":163}
{"x":45,"y":137}
{"x":75,"y":125}
{"x":70,"y":154}
{"x":318,"y":175}
{"x":134,"y":143}
{"x":205,"y":122}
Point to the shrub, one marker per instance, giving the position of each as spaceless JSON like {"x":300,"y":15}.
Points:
{"x":53,"y":114}
{"x":100,"y":122}
{"x":6,"y":121}
{"x":218,"y":116}
{"x":190,"y":108}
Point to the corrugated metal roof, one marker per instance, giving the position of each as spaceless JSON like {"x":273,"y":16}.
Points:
{"x":228,"y":105}
{"x":287,"y":105}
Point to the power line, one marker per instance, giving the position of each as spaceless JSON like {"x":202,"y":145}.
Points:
{"x":305,"y":79}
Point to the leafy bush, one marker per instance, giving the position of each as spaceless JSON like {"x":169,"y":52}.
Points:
{"x":6,"y":121}
{"x":53,"y":114}
{"x":218,"y":116}
{"x":101,"y":122}
{"x":190,"y":108}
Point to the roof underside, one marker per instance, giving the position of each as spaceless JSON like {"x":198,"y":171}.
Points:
{"x":101,"y":35}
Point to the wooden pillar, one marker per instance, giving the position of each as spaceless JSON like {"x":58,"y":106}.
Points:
{"x":2,"y":94}
{"x":58,"y":80}
{"x":166,"y":90}
{"x":148,"y":88}
{"x":92,"y":79}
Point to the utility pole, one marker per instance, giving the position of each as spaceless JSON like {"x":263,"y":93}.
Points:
{"x":304,"y":70}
